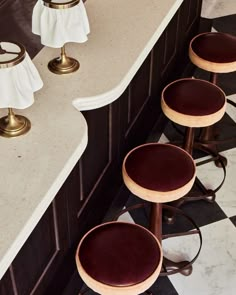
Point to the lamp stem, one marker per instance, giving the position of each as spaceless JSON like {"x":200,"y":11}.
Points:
{"x":63,"y":50}
{"x":63,"y":55}
{"x":11,"y":117}
{"x":14,"y":122}
{"x":10,"y":111}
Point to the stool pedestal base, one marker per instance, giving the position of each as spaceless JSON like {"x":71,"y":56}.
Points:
{"x":205,"y":139}
{"x":182,"y":267}
{"x":207,"y":195}
{"x":169,"y":267}
{"x":208,"y":136}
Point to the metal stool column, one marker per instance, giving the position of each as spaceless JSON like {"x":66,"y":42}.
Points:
{"x":160,"y":173}
{"x":194,"y":103}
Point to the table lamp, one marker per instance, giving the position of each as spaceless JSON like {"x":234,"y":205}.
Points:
{"x":57,"y":23}
{"x":19,"y":79}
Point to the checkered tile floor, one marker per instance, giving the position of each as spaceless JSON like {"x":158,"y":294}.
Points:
{"x":214,"y":272}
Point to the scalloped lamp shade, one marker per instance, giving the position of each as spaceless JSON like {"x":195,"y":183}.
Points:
{"x":59,"y":26}
{"x":58,"y":23}
{"x":19,"y":79}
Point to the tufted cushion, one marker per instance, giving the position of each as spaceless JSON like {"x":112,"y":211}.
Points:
{"x":160,"y":167}
{"x":194,"y":97}
{"x":215,"y":47}
{"x":119,"y":254}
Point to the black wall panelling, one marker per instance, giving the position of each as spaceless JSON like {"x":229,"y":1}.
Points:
{"x":188,"y":27}
{"x":139,"y":92}
{"x":96,"y":162}
{"x":139,"y":103}
{"x":45,"y":264}
{"x":6,"y":284}
{"x":43,"y":251}
{"x":171,"y":47}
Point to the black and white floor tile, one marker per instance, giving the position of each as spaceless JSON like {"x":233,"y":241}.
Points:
{"x":214,"y":272}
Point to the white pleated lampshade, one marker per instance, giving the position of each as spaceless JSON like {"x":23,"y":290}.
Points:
{"x":59,"y":26}
{"x":17,"y":82}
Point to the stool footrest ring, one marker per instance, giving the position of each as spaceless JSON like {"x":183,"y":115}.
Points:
{"x":171,"y":267}
{"x":183,"y":267}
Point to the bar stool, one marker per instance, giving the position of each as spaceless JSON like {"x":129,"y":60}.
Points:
{"x":119,"y":258}
{"x":160,"y":173}
{"x":194,"y":103}
{"x":214,"y":52}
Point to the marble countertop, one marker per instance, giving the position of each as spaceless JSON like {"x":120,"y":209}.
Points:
{"x":34,"y":166}
{"x":122,"y":34}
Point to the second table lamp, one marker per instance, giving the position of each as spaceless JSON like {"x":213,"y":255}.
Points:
{"x":57,"y":23}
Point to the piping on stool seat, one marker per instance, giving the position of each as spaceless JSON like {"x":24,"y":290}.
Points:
{"x":194,"y":103}
{"x":119,"y":258}
{"x":214,"y":52}
{"x":160,"y":173}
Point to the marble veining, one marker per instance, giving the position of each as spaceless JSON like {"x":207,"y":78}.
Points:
{"x":211,"y":177}
{"x":214,"y":272}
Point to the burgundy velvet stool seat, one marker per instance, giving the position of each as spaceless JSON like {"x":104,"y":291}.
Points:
{"x":160,"y":173}
{"x":194,"y":103}
{"x":119,"y":258}
{"x":214,"y":52}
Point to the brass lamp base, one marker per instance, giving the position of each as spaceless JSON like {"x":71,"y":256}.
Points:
{"x":64,"y":64}
{"x":69,"y":65}
{"x":14,"y":125}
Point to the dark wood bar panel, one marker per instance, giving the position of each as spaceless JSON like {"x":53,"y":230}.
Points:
{"x":45,"y":264}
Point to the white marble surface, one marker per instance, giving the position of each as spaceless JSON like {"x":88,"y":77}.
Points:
{"x":163,"y":139}
{"x":230,"y":109}
{"x":218,"y":8}
{"x":33,"y":167}
{"x":214,"y":271}
{"x":126,"y":217}
{"x":212,"y":177}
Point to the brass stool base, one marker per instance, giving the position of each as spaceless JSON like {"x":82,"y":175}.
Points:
{"x":69,"y":65}
{"x":19,"y":126}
